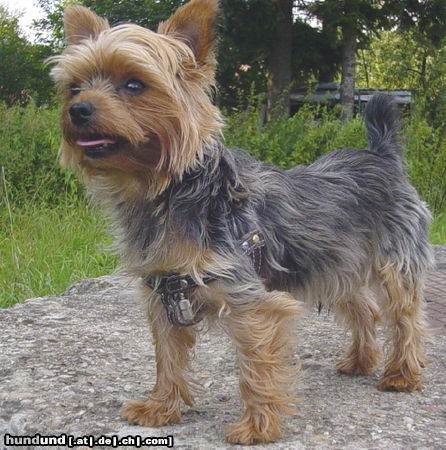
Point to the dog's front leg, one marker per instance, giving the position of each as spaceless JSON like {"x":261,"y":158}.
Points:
{"x":172,"y":345}
{"x":263,"y":334}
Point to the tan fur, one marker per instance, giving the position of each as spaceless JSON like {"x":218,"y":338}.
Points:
{"x":264,"y":350}
{"x":194,"y":23}
{"x":360,"y":314}
{"x":404,"y":308}
{"x":160,"y":137}
{"x":81,"y":23}
{"x":172,"y":345}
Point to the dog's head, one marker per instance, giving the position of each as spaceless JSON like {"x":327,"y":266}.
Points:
{"x":136,"y":100}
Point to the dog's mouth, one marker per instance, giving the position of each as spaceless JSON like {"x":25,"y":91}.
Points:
{"x":96,"y":147}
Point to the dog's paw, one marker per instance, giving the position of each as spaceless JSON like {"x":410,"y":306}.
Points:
{"x":359,"y":363}
{"x":398,"y":382}
{"x":247,"y":432}
{"x":348,"y":366}
{"x":150,"y":413}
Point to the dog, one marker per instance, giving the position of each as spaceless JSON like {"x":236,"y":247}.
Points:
{"x":214,"y":235}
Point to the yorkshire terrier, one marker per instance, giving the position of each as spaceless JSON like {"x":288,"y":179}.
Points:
{"x":214,"y":234}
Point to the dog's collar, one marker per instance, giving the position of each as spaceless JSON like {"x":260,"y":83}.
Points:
{"x":173,"y":287}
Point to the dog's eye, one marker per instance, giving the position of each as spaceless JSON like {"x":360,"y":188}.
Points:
{"x":74,"y":89}
{"x":134,"y":87}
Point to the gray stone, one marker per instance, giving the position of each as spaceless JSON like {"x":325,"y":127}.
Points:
{"x":68,"y":362}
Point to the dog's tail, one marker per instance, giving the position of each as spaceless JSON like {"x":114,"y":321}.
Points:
{"x":382,"y":123}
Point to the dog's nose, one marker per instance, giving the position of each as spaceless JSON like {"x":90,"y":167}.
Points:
{"x":81,"y":112}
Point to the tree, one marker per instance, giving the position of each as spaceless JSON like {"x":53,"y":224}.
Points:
{"x":397,"y":59}
{"x":23,"y":71}
{"x":262,"y":46}
{"x":359,"y":20}
{"x":355,"y":20}
{"x":279,"y":59}
{"x":276,"y":49}
{"x":147,"y":13}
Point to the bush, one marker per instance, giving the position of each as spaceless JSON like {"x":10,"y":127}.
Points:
{"x":426,"y":160}
{"x":300,"y":139}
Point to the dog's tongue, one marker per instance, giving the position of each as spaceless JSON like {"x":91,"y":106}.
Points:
{"x":84,"y":143}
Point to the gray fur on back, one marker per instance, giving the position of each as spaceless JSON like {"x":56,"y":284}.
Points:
{"x":327,"y":225}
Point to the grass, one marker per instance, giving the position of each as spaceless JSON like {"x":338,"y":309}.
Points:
{"x":438,"y":230}
{"x":44,"y":249}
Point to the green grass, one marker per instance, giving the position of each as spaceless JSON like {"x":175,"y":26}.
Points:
{"x":438,"y":230}
{"x":44,"y":249}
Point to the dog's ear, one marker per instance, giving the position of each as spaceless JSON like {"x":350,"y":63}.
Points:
{"x":82,"y":23}
{"x":194,"y":23}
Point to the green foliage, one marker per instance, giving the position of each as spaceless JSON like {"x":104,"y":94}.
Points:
{"x":147,"y":13}
{"x":285,"y":142}
{"x":411,"y":59}
{"x":402,"y":60}
{"x":425,"y":18}
{"x":247,"y":27}
{"x":247,"y":32}
{"x":392,"y":61}
{"x":23,"y":74}
{"x":29,"y":139}
{"x":426,"y":159}
{"x":363,"y":16}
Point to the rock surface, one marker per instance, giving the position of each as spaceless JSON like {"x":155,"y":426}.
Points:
{"x":68,"y":362}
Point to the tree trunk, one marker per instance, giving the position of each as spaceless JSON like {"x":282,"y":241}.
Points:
{"x":327,"y":72}
{"x":348,"y":72}
{"x":279,"y":62}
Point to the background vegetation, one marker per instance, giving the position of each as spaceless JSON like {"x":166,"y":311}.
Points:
{"x":50,"y":237}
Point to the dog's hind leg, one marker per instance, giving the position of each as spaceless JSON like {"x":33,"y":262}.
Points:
{"x":172,"y":346}
{"x":359,"y":314}
{"x":404,"y":309}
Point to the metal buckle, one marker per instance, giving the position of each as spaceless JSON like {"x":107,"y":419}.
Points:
{"x":252,"y":241}
{"x":179,"y":310}
{"x":185,"y":309}
{"x":176,"y":283}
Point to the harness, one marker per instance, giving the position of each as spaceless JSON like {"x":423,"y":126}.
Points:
{"x":175,"y":289}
